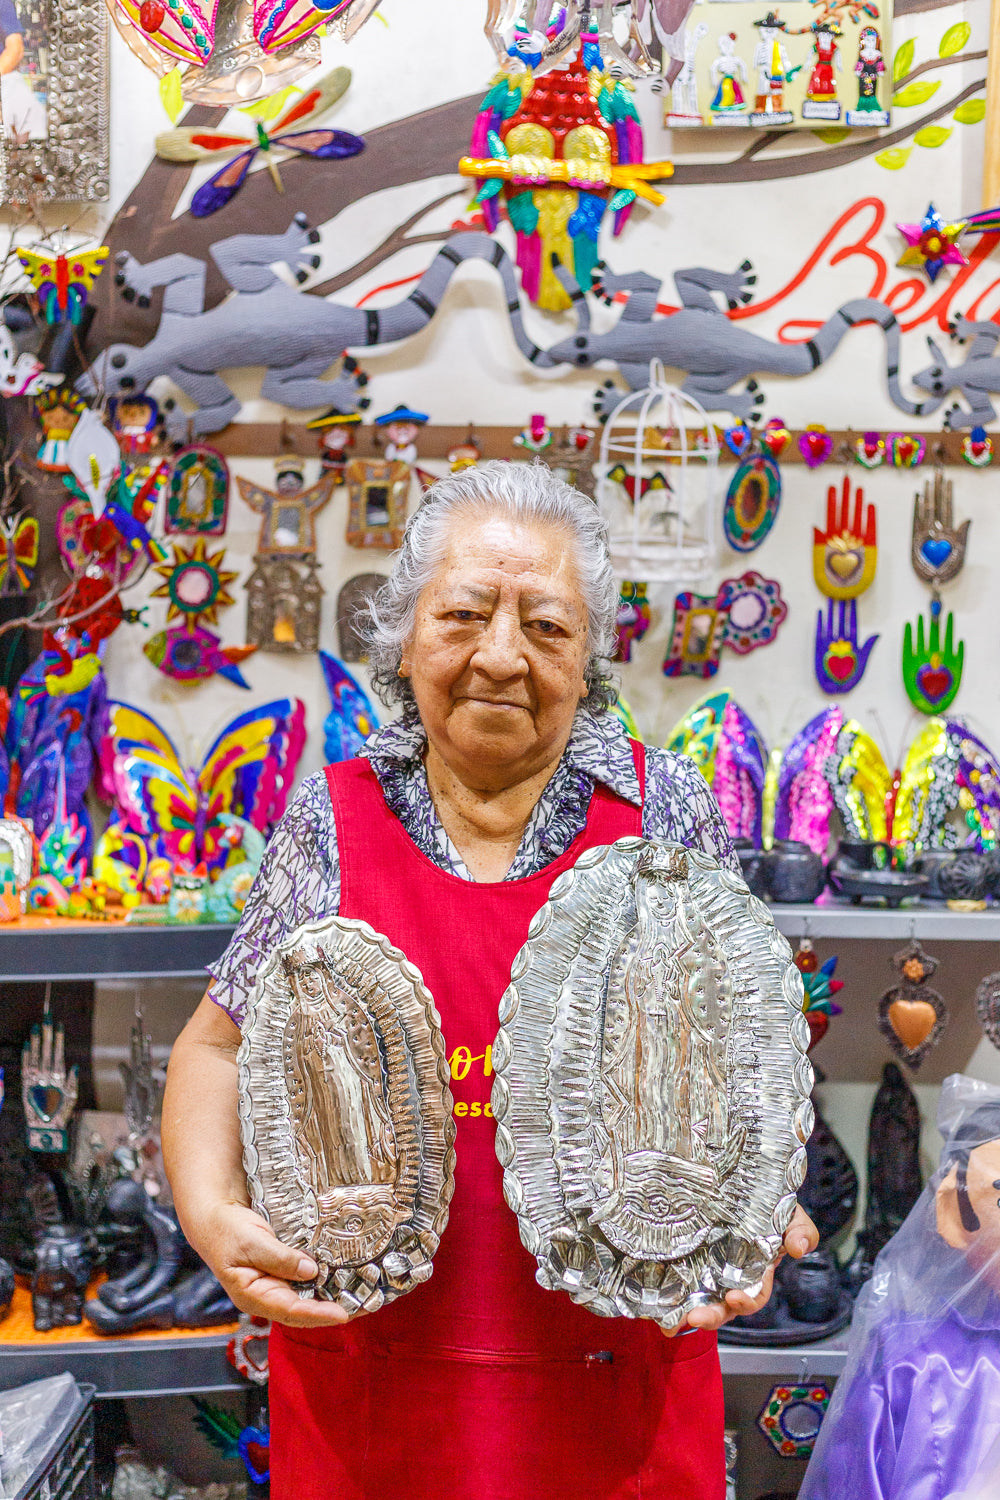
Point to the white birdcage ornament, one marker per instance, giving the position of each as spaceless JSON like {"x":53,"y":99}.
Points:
{"x":657,"y":485}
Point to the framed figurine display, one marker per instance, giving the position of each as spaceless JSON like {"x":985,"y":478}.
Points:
{"x":801,"y":64}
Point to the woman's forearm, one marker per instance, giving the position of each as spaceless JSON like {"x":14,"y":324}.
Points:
{"x":200,"y":1133}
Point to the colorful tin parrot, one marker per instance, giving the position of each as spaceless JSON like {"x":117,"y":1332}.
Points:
{"x":561,"y":149}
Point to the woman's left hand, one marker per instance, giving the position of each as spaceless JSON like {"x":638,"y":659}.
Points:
{"x":800,"y":1237}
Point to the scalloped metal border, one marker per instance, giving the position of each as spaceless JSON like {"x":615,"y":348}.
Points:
{"x":800,"y":1120}
{"x":357,"y":1293}
{"x":73,"y":163}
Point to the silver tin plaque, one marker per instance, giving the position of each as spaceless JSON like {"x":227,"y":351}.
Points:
{"x":345,"y":1111}
{"x":652,"y":1085}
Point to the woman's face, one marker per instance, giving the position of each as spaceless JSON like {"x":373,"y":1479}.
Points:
{"x":498,"y":649}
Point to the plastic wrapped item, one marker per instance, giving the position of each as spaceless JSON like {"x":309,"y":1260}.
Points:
{"x":135,"y":1480}
{"x":32,"y":1417}
{"x":916,"y":1414}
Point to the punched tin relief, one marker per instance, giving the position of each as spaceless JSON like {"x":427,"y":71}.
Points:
{"x":345,"y":1111}
{"x":652,"y":1088}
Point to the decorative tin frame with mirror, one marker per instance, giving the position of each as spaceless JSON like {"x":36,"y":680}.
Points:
{"x":55,"y":138}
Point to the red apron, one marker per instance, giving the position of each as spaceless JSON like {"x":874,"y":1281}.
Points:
{"x":481,"y":1385}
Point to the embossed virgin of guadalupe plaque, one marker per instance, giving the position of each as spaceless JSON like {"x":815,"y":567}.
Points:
{"x":652,"y":1088}
{"x":345,"y":1111}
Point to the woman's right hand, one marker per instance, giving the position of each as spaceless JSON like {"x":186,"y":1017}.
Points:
{"x":204,"y":1161}
{"x":255,"y":1269}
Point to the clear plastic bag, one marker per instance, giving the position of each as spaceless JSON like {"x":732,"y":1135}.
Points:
{"x":916,"y":1413}
{"x":31,"y":1419}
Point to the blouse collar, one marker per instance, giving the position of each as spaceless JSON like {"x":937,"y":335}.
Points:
{"x":598,"y":746}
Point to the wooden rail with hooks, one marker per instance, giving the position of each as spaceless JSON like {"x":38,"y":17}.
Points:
{"x":271,"y":439}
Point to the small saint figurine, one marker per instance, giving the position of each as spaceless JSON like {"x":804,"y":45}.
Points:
{"x":727,"y":72}
{"x":336,"y":436}
{"x":684,"y":107}
{"x":774,"y":71}
{"x":402,"y":427}
{"x":869,"y":69}
{"x":821,"y":93}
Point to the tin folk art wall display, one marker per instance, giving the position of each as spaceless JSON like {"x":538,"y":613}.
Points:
{"x":348,"y":1142}
{"x":378,"y":490}
{"x":844,"y":557}
{"x":652,"y":975}
{"x":796,"y":65}
{"x":932,"y":667}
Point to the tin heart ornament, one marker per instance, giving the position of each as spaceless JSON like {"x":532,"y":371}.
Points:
{"x":869,"y":450}
{"x":911,"y":1015}
{"x":815,"y":445}
{"x":906,"y":450}
{"x":738,"y":439}
{"x":776,"y":437}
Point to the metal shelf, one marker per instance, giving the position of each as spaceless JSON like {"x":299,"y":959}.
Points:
{"x":798,"y":1363}
{"x":927,"y":919}
{"x":109,"y":951}
{"x":188,"y":1366}
{"x":127,"y":1367}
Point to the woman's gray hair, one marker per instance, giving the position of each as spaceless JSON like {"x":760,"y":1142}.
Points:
{"x":521,"y":492}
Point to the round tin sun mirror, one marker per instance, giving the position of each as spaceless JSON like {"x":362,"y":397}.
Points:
{"x":652,"y":1085}
{"x":345,"y":1111}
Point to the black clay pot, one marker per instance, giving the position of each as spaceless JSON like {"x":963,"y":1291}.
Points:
{"x":752,"y":863}
{"x":811,"y":1287}
{"x":964,"y":878}
{"x":933,"y":863}
{"x":6,"y":1288}
{"x":794,"y":872}
{"x":991,"y":868}
{"x":864,"y":854}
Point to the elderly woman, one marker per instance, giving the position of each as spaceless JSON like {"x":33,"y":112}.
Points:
{"x":446,"y":834}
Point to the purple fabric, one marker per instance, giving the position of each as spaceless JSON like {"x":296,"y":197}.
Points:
{"x":920,"y":1415}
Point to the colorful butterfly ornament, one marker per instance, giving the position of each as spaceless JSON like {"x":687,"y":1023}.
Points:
{"x":834,"y":764}
{"x":193,"y":144}
{"x":178,"y":813}
{"x":559,"y":150}
{"x":351,"y":718}
{"x":729,"y":750}
{"x":18,"y":553}
{"x":63,"y":282}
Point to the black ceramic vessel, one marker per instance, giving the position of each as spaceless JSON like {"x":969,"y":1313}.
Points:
{"x":753,"y":864}
{"x":795,"y":874}
{"x":933,"y":863}
{"x":863,"y":854}
{"x":963,"y":878}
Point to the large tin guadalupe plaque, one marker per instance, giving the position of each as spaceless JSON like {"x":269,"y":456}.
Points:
{"x":345,"y":1111}
{"x":652,"y":1088}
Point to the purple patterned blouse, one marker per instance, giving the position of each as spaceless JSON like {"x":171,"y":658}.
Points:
{"x":299,"y":877}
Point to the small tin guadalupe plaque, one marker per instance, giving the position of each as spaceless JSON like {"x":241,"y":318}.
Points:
{"x":652,"y":1088}
{"x":345,"y":1111}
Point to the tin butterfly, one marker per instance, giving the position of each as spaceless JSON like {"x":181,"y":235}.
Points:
{"x":18,"y":553}
{"x":833,"y":764}
{"x":190,"y":144}
{"x":177,"y":811}
{"x":63,"y":282}
{"x":351,"y":718}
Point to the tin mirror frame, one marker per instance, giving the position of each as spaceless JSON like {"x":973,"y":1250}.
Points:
{"x":72,"y":163}
{"x":613,"y":1218}
{"x":364,"y":1261}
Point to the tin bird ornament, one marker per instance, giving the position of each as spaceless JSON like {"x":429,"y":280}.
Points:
{"x":562,"y":150}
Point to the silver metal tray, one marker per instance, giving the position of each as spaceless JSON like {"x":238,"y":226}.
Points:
{"x":346,"y":1112}
{"x":652,"y":1088}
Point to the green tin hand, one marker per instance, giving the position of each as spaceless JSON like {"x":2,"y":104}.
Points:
{"x":932,"y":676}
